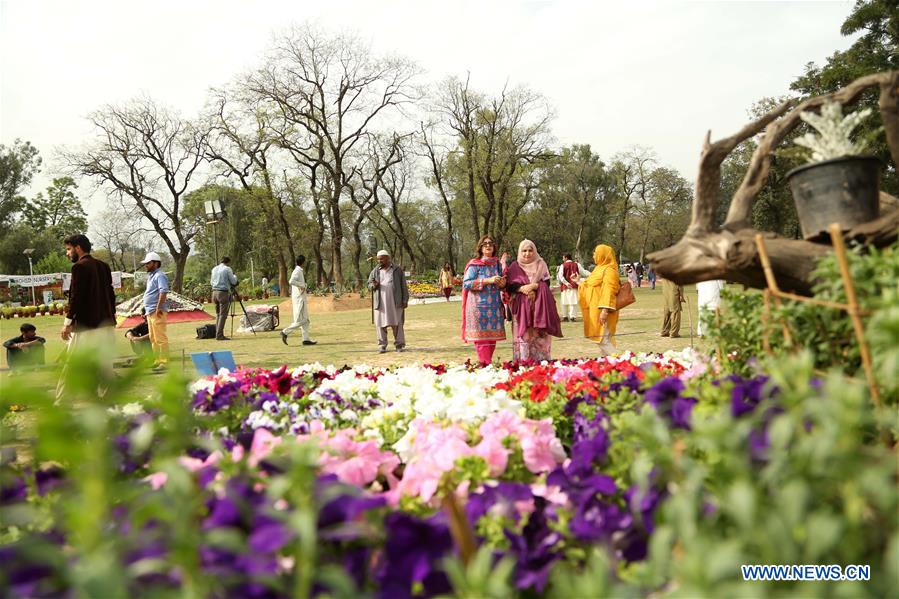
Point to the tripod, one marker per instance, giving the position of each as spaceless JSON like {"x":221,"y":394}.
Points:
{"x":236,"y":295}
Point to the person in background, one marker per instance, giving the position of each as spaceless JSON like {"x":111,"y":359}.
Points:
{"x":597,"y":295}
{"x":631,"y":272}
{"x":300,"y":308}
{"x":483,"y":315}
{"x":25,"y":350}
{"x":223,"y":279}
{"x":445,"y":280}
{"x":568,"y":275}
{"x":139,"y":337}
{"x":638,"y":268}
{"x":651,"y":276}
{"x":535,"y":319}
{"x":708,"y":297}
{"x":673,"y":296}
{"x":264,"y":284}
{"x":90,"y":315}
{"x":156,"y":309}
{"x":390,"y":298}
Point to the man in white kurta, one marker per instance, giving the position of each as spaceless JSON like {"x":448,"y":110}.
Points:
{"x":565,"y":276}
{"x":300,"y":309}
{"x":390,"y":298}
{"x":708,"y":297}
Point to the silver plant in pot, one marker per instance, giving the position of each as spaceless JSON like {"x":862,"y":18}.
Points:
{"x":840,"y":183}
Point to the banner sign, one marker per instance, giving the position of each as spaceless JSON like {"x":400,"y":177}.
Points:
{"x":33,"y":280}
{"x":117,"y":280}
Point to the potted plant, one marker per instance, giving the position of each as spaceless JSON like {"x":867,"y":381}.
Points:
{"x":840,"y":183}
{"x":43,"y":309}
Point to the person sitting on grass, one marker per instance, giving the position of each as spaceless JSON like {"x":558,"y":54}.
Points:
{"x":139,"y":337}
{"x":25,"y":350}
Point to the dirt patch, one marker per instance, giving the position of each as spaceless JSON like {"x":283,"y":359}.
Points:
{"x":321,"y":304}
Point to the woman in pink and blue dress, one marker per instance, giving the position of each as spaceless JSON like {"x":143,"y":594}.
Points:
{"x":483,"y":316}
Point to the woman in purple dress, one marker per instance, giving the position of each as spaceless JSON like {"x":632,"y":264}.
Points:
{"x":483,"y":320}
{"x":535,"y":319}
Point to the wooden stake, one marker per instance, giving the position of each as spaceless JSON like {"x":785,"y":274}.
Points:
{"x":460,"y":528}
{"x":836,"y":236}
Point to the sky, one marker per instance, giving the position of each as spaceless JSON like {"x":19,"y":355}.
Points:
{"x":617,"y":74}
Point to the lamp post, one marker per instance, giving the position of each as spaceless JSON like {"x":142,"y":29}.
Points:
{"x":214,"y":212}
{"x":252,"y":270}
{"x":28,"y":253}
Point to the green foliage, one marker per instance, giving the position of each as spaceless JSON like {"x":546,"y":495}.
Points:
{"x":60,"y":211}
{"x":737,"y":330}
{"x":876,"y":50}
{"x":824,"y":493}
{"x":826,"y":333}
{"x":18,"y":164}
{"x":20,"y":236}
{"x":53,"y":262}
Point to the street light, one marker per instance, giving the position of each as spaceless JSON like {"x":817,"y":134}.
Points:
{"x":28,"y":253}
{"x":252,"y":271}
{"x":214,"y":212}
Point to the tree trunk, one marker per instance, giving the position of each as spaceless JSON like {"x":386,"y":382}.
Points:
{"x":180,"y":263}
{"x":283,"y":281}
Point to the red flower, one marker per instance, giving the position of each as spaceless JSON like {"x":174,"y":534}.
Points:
{"x":539,"y":392}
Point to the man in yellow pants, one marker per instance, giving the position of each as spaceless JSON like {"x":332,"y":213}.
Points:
{"x":673,"y":295}
{"x":156,"y":309}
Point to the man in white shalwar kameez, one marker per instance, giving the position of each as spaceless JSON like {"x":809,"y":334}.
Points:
{"x":390,"y":298}
{"x":300,"y":309}
{"x":568,"y":275}
{"x":708,"y":297}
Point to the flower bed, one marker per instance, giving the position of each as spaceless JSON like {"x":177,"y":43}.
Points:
{"x":422,"y":289}
{"x":558,"y":470}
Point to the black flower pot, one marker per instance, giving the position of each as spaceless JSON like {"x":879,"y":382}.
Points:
{"x":842,"y":190}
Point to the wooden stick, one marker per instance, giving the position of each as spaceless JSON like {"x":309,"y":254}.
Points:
{"x":460,"y":528}
{"x":766,"y":317}
{"x":839,"y":246}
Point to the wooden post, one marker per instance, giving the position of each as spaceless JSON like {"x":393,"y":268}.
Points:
{"x":766,"y":318}
{"x":836,"y":236}
{"x":855,"y":313}
{"x":460,"y":527}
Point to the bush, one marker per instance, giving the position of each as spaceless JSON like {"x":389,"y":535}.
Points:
{"x":826,"y":333}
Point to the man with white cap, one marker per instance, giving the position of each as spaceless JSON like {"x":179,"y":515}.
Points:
{"x":390,"y":298}
{"x":156,"y":309}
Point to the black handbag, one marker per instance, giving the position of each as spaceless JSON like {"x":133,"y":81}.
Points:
{"x":207,"y":331}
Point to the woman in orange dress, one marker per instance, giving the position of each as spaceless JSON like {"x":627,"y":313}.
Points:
{"x":596,"y":296}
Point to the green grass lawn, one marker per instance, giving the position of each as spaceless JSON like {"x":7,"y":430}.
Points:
{"x":432,"y":335}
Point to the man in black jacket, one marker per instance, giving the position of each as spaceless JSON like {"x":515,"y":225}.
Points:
{"x":90,"y":316}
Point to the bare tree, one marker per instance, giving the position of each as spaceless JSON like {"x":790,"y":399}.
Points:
{"x":395,"y":187}
{"x":329,"y":93}
{"x":514,"y":135}
{"x":146,"y":155}
{"x":436,"y":157}
{"x":119,"y":231}
{"x":364,"y":183}
{"x":459,"y":106}
{"x":242,"y":142}
{"x":631,"y":171}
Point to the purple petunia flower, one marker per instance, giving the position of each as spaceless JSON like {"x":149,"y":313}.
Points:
{"x":500,"y":497}
{"x":665,"y":397}
{"x":534,"y":549}
{"x":681,"y":410}
{"x":663,"y":393}
{"x":412,"y":552}
{"x":270,"y":537}
{"x":746,"y":394}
